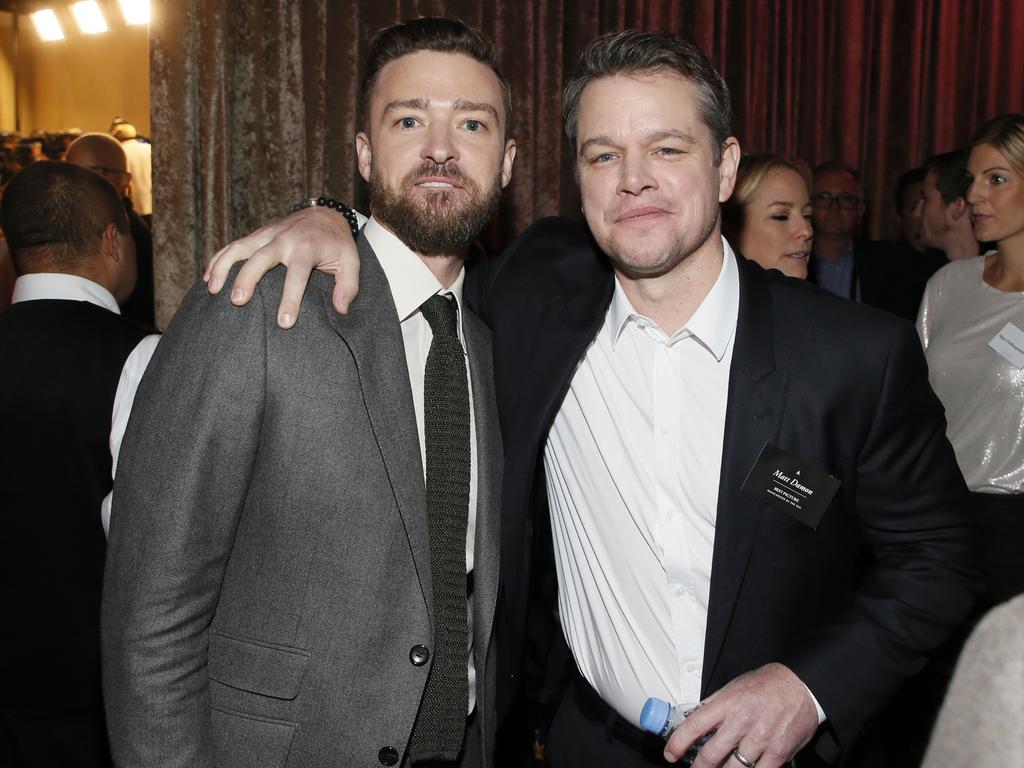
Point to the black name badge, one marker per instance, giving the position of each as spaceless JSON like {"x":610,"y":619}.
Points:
{"x":791,"y":485}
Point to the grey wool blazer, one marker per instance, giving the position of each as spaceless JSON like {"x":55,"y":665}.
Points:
{"x":268,"y":568}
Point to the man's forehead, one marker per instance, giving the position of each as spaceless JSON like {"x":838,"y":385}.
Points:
{"x":437,"y":76}
{"x":836,"y":178}
{"x":667,"y":98}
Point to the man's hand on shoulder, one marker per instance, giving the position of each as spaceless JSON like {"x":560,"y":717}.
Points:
{"x":313,"y":238}
{"x":766,"y":716}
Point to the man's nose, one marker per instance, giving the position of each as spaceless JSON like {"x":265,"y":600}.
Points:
{"x":440,"y":145}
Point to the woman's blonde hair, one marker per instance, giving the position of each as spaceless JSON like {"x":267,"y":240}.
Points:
{"x":1005,"y":133}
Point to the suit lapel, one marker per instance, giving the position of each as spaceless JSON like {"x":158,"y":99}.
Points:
{"x":489,"y":474}
{"x":756,"y":401}
{"x":373,"y":335}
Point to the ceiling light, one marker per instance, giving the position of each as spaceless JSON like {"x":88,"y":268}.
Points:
{"x":89,"y":17}
{"x":47,"y":26}
{"x":135,"y":11}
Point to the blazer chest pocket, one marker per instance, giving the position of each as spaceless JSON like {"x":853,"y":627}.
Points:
{"x":269,"y":670}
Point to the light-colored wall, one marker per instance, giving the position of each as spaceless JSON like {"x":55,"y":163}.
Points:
{"x":81,"y":81}
{"x":7,"y":121}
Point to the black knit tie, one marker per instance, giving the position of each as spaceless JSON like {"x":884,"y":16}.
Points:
{"x":441,"y":723}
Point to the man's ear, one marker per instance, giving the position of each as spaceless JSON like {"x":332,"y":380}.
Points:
{"x":727,"y":168}
{"x":508,"y":157}
{"x":110,"y":244}
{"x":958,"y":208}
{"x":364,"y":155}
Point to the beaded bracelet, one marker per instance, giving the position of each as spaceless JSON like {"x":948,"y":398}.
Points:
{"x":330,"y":202}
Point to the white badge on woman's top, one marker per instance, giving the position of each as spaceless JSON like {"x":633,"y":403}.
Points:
{"x":1009,"y":343}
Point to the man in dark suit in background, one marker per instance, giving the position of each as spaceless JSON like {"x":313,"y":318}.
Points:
{"x":103,"y":154}
{"x":943,"y":212}
{"x":658,"y":396}
{"x":303,"y":564}
{"x":842,"y":263}
{"x":63,"y":349}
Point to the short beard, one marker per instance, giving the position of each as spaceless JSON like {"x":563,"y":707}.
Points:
{"x":436,"y":225}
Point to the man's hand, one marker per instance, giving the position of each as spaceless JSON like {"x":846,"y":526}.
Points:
{"x":313,"y":238}
{"x":766,"y":715}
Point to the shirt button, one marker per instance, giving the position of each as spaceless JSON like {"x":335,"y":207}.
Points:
{"x":388,"y":756}
{"x":691,"y":667}
{"x":419,"y":655}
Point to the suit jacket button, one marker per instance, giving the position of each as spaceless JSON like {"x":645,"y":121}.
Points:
{"x":388,"y":756}
{"x":419,"y":655}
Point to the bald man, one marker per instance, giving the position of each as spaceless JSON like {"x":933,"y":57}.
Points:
{"x":104,"y":154}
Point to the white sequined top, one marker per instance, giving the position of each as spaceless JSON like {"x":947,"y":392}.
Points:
{"x":983,"y":392}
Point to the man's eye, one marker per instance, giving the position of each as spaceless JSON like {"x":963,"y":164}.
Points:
{"x":668,"y":151}
{"x":781,"y":217}
{"x":474,"y":126}
{"x":407,"y":122}
{"x":604,"y":157}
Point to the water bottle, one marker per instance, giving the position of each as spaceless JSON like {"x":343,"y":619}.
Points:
{"x":661,"y":718}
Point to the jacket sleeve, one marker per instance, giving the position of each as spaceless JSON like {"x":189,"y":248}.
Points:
{"x":923,"y":573}
{"x":180,"y":487}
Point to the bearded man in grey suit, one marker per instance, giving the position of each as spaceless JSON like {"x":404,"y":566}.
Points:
{"x":294,"y":580}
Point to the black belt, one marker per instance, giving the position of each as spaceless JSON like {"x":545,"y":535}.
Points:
{"x":595,"y":709}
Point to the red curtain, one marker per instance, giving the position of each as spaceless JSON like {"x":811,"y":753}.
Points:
{"x":255,"y":102}
{"x":878,"y":84}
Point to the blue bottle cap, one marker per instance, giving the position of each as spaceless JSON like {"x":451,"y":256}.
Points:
{"x":654,"y":715}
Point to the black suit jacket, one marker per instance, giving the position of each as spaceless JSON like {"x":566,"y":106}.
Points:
{"x":60,"y":361}
{"x":890,"y":276}
{"x":851,"y":607}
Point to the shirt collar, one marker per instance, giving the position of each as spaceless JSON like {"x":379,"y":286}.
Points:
{"x":57,"y":285}
{"x":844,"y":258}
{"x":411,"y":281}
{"x":714,"y":322}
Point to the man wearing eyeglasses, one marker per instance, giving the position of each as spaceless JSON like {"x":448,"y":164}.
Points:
{"x":837,"y":207}
{"x":104,"y":154}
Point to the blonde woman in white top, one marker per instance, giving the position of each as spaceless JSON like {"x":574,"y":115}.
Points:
{"x":972,"y":326}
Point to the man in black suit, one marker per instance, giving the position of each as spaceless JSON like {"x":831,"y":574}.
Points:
{"x":841,"y":263}
{"x":64,"y":350}
{"x":103,"y":154}
{"x":649,"y":390}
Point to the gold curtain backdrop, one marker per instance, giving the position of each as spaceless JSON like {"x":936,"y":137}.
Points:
{"x":255,"y":102}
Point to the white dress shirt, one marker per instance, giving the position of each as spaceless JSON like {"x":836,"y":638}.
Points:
{"x":412,"y":283}
{"x":633,"y":462}
{"x":139,"y":156}
{"x":39,"y":286}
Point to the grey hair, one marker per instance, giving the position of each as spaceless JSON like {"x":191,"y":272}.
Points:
{"x":632,"y":52}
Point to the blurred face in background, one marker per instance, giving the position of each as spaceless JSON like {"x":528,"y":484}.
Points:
{"x":837,"y":205}
{"x":910,"y":227}
{"x":931,"y":213}
{"x":777,"y":231}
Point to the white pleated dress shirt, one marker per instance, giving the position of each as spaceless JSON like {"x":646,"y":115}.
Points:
{"x":633,"y":462}
{"x":412,"y":283}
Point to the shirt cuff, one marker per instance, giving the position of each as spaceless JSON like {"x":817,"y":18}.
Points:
{"x":817,"y":706}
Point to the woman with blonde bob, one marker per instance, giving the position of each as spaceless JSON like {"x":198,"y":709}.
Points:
{"x":972,"y":326}
{"x":768,"y":217}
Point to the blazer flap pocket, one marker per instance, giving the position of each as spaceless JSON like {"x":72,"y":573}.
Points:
{"x":269,"y":670}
